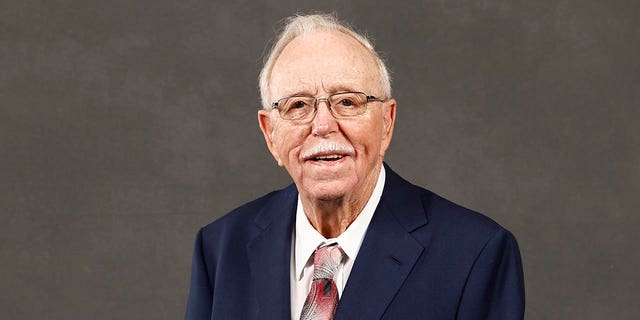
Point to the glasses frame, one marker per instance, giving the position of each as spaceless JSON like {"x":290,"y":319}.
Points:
{"x":317,"y":100}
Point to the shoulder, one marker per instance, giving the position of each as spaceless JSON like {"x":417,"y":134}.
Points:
{"x":462,"y":245}
{"x":451,"y":216}
{"x":467,"y":238}
{"x":446,"y":220}
{"x":244,"y":220}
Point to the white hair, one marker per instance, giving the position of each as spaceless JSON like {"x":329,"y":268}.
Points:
{"x":302,"y":24}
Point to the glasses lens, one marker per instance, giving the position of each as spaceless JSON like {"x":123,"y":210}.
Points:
{"x":294,"y":108}
{"x":348,"y":104}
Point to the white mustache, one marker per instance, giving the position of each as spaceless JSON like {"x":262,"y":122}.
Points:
{"x":327,"y":147}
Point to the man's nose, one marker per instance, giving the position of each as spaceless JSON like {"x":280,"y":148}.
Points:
{"x":324,"y":123}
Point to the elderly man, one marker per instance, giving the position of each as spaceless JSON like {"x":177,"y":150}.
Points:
{"x":349,"y":239}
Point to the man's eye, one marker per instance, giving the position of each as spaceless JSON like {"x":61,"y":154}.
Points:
{"x":298,"y":104}
{"x":347,"y":103}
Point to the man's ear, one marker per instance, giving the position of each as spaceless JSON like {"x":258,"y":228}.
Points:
{"x":389,"y":120}
{"x":267,"y":127}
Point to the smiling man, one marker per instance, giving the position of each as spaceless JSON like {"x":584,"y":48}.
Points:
{"x":349,"y":239}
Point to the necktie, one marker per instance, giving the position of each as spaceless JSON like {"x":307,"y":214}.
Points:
{"x":322,"y":301}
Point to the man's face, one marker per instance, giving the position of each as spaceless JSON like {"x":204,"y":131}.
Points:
{"x":318,"y":64}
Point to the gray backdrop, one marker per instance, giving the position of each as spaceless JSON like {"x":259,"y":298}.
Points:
{"x":127,"y":125}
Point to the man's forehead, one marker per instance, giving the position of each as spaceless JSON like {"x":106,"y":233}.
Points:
{"x":323,"y":61}
{"x":292,"y":87}
{"x":325,"y":48}
{"x":325,"y":41}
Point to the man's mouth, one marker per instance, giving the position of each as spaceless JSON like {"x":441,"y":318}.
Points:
{"x":331,"y":157}
{"x":327,"y":152}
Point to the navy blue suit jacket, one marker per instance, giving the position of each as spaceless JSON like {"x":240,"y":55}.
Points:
{"x":423,"y":257}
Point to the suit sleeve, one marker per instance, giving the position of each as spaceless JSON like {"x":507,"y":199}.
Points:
{"x":495,"y":286}
{"x":200,"y":292}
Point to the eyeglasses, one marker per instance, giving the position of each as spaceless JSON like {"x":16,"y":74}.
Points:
{"x":341,"y":105}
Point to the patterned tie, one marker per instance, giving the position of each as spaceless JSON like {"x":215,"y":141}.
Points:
{"x":322,"y":301}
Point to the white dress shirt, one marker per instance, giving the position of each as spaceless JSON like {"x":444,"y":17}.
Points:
{"x":306,"y":239}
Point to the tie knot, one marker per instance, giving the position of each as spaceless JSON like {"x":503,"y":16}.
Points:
{"x":326,"y":261}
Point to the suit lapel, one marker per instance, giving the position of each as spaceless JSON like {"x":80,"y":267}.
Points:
{"x":388,"y":252}
{"x":269,"y":255}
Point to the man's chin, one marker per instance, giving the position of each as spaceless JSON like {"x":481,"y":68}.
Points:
{"x":326,"y":191}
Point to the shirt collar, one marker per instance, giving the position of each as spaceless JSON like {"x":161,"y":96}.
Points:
{"x":307,"y":238}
